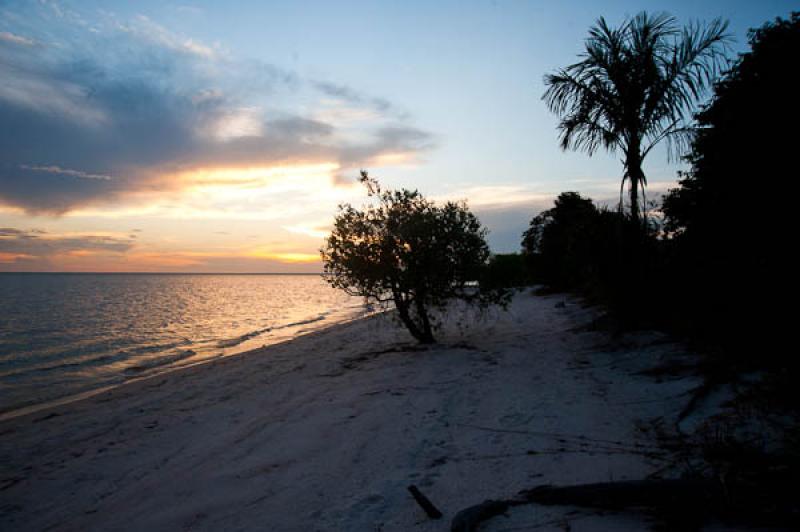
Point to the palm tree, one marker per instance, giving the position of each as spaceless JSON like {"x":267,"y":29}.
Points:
{"x":635,"y":86}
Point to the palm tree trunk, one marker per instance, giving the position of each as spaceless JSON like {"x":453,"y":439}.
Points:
{"x":633,"y":166}
{"x":634,"y":191}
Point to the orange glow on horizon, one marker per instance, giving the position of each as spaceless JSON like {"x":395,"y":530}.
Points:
{"x":285,"y":257}
{"x":9,"y":258}
{"x":253,"y":176}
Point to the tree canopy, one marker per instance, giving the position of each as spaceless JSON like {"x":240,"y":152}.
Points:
{"x":557,"y":243}
{"x":745,"y":135}
{"x":731,"y":230}
{"x":406,"y":250}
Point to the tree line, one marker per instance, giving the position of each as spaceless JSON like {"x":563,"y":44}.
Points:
{"x":710,"y":262}
{"x":714,"y":265}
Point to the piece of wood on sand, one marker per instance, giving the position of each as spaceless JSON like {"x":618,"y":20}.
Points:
{"x":425,"y":503}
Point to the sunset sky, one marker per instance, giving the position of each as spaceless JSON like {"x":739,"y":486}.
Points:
{"x":220,"y":136}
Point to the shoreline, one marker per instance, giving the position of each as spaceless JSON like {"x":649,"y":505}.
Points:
{"x":327,"y":430}
{"x":167,"y":368}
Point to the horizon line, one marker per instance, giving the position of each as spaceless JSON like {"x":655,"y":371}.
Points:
{"x":158,"y":273}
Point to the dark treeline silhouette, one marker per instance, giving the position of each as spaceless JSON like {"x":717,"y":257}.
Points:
{"x":731,"y":219}
{"x":506,"y":270}
{"x":716,"y":267}
{"x":597,"y":252}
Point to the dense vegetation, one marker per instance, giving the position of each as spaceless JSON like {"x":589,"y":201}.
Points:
{"x":409,"y":251}
{"x":716,"y":269}
{"x":713,"y":264}
{"x":602,"y":254}
{"x":735,"y":275}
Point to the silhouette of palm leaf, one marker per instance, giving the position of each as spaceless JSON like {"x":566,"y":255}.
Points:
{"x":635,"y":86}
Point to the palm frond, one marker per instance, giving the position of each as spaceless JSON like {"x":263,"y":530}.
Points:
{"x":637,"y":84}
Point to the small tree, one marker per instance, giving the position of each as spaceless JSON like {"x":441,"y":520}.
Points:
{"x":406,"y":250}
{"x":559,"y":241}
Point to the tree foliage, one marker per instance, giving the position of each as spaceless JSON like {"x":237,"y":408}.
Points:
{"x":507,"y":270}
{"x":599,"y":253}
{"x":733,"y":273}
{"x":558,"y":242}
{"x":745,"y":134}
{"x":406,"y":250}
{"x":635,"y":86}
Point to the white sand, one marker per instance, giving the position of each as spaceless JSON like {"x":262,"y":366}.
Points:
{"x":327,"y":431}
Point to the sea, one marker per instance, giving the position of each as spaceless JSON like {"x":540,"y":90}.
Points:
{"x":66,"y":335}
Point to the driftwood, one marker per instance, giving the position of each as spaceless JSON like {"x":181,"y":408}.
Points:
{"x":684,"y":495}
{"x":468,"y":520}
{"x":770,"y":501}
{"x":425,"y":503}
{"x":629,"y":494}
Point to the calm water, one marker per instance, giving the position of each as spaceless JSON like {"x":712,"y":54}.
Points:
{"x":62,"y":334}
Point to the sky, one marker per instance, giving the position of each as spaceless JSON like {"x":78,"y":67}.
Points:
{"x":221,"y":136}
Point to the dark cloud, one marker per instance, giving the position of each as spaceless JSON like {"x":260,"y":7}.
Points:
{"x":37,"y":243}
{"x":338,"y":91}
{"x":81,"y":118}
{"x":396,"y":139}
{"x":348,"y":94}
{"x":302,"y":128}
{"x":92,"y":124}
{"x":352,"y":96}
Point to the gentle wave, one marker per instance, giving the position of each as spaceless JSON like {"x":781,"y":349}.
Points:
{"x":90,"y":360}
{"x":63,"y":335}
{"x":233,"y":342}
{"x":164,"y":360}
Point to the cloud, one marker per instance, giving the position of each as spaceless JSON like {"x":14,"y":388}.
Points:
{"x":65,"y":171}
{"x":112,"y":115}
{"x":348,"y":94}
{"x":18,"y":40}
{"x":37,"y":244}
{"x":389,"y":144}
{"x":142,"y":27}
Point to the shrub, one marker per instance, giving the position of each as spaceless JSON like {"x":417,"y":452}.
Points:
{"x":406,"y":250}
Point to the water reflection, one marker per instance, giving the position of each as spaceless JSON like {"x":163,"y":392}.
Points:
{"x":63,"y":334}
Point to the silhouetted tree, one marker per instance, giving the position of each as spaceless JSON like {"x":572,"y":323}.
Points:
{"x":635,"y":86}
{"x":506,"y":270}
{"x":602,"y":254}
{"x":745,"y":134}
{"x":732,"y":217}
{"x":407,"y":250}
{"x":557,"y":241}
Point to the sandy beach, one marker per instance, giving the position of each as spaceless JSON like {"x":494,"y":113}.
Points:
{"x":326,"y":432}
